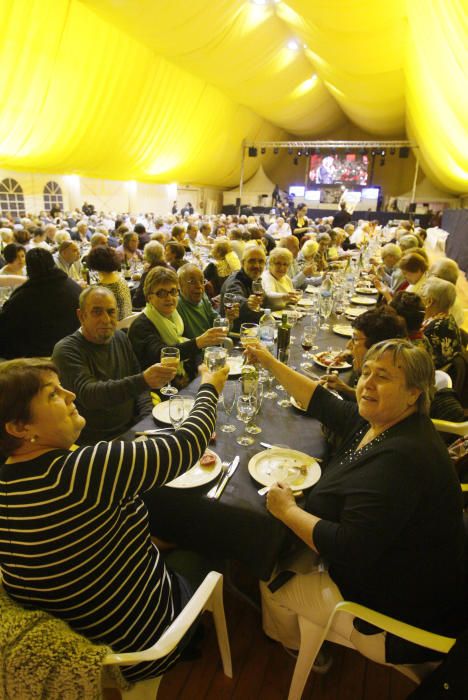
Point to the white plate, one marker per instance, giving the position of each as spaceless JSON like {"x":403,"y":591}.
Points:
{"x":235,"y":365}
{"x":353,"y":312}
{"x":343,"y":329}
{"x":296,"y":404}
{"x":310,"y":289}
{"x":306,"y":302}
{"x":366,"y":290}
{"x":161,"y":410}
{"x":365,"y":301}
{"x":282,"y":464}
{"x":197,"y":475}
{"x":279,"y":314}
{"x":341,"y":366}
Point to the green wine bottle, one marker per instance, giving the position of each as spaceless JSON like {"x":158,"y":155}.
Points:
{"x":283,"y":340}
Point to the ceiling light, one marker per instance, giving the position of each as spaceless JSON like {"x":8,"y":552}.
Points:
{"x":263,"y":150}
{"x":293,"y":45}
{"x":276,"y":150}
{"x":260,"y":2}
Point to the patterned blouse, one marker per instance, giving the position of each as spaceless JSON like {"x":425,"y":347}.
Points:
{"x":444,"y":337}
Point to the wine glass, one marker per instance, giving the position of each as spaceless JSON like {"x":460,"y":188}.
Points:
{"x":221,"y":322}
{"x":309,"y":334}
{"x":246,"y":407}
{"x":266,"y":378}
{"x":176,"y":411}
{"x":215,"y":357}
{"x":171,"y":358}
{"x":229,"y":299}
{"x":326,"y":307}
{"x":253,"y":428}
{"x":248,"y":333}
{"x":293,"y":318}
{"x":228,"y":401}
{"x":257,"y":289}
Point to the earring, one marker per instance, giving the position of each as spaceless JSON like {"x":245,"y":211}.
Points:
{"x":33,"y":439}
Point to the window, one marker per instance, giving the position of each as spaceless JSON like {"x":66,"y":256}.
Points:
{"x":53,"y":196}
{"x":12,"y":197}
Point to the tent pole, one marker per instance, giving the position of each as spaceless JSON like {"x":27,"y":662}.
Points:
{"x":241,"y":184}
{"x":413,"y":191}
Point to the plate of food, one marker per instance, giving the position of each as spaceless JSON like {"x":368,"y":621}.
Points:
{"x":297,"y":469}
{"x":235,"y":363}
{"x":204,"y":471}
{"x":365,"y":301}
{"x":343,"y":329}
{"x":329,"y":360}
{"x":306,"y":301}
{"x":161,"y":410}
{"x":297,"y":404}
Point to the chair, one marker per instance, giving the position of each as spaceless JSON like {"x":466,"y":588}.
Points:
{"x":442,"y":380}
{"x":126,"y":322}
{"x":208,"y":596}
{"x":447,"y":426}
{"x":306,"y":658}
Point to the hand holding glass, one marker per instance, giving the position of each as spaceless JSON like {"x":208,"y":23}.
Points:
{"x":171,"y":358}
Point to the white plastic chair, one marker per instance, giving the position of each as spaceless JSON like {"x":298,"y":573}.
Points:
{"x":208,"y":596}
{"x":128,"y":320}
{"x":307,"y":654}
{"x":442,"y":380}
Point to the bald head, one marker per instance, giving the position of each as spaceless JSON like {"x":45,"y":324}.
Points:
{"x":98,"y":315}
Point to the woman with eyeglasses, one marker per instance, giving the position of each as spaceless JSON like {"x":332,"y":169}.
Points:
{"x":160,"y":325}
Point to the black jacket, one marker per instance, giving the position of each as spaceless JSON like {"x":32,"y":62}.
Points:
{"x":38,"y":314}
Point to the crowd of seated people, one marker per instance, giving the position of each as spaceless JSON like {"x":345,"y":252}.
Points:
{"x":99,"y":381}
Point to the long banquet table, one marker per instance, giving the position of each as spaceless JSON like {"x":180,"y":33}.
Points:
{"x":237,"y":526}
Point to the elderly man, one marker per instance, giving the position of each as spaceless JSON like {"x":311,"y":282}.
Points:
{"x":98,"y":364}
{"x":279,"y":228}
{"x":67,"y":259}
{"x":300,"y":278}
{"x":240,"y":285}
{"x":194,"y":306}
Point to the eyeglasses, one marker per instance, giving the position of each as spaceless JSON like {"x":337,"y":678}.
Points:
{"x":195,"y":282}
{"x":164,"y":293}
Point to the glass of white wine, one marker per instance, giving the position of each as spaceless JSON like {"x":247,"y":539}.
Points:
{"x":228,"y":401}
{"x":171,"y":358}
{"x":248,"y":333}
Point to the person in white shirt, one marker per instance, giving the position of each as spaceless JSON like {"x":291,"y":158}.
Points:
{"x":39,"y":240}
{"x":279,"y":228}
{"x":276,"y":283}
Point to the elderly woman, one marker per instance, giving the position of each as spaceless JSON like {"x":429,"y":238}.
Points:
{"x":307,"y":255}
{"x":225,"y":263}
{"x":106,"y":261}
{"x":153,"y":255}
{"x":97,"y":567}
{"x":414,"y":267}
{"x":410,"y":307}
{"x":386,"y":514}
{"x":15,"y":259}
{"x":389,"y":272}
{"x":439,"y":326}
{"x":276,"y":283}
{"x":160,"y":325}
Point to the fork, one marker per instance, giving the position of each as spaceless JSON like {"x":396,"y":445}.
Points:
{"x":224,"y":468}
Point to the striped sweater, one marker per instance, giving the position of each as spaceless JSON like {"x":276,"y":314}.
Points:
{"x":74,"y":537}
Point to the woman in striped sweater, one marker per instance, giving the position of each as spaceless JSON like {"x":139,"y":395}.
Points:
{"x":74,"y":537}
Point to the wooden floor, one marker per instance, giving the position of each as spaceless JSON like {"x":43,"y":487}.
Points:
{"x":263,"y":670}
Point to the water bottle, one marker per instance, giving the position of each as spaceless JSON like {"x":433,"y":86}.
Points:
{"x":267,"y":330}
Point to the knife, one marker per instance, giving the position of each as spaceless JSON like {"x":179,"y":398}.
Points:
{"x":227,"y":476}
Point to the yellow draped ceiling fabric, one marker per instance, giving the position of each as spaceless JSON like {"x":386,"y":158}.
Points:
{"x":166,"y":91}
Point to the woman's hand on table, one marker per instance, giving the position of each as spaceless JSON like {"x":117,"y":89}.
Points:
{"x":159,"y":375}
{"x":217,"y":378}
{"x":280,"y":500}
{"x":213,"y":336}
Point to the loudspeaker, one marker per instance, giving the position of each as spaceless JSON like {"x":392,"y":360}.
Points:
{"x":252,"y":152}
{"x":404,"y":152}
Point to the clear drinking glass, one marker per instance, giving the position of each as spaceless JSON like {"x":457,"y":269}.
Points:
{"x":229,"y":300}
{"x":228,"y":401}
{"x":215,"y":357}
{"x":221,"y":322}
{"x":253,"y":428}
{"x":171,"y":358}
{"x":326,"y":307}
{"x":246,"y":408}
{"x":309,"y":334}
{"x":257,"y":289}
{"x":176,"y":411}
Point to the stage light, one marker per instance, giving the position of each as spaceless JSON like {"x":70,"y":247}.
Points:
{"x":382,"y":153}
{"x":290,"y":151}
{"x":293,"y":45}
{"x":263,"y":150}
{"x":252,"y":152}
{"x":307,"y":152}
{"x":259,"y":2}
{"x":276,"y":150}
{"x":299,"y":152}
